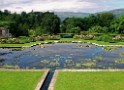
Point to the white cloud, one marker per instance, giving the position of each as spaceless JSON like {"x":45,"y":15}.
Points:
{"x":47,"y":5}
{"x":61,"y":5}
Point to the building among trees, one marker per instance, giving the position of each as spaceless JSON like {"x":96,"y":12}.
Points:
{"x":4,"y":32}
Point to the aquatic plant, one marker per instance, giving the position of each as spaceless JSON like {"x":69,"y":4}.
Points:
{"x":54,"y":64}
{"x":45,"y":61}
{"x":68,"y":61}
{"x":56,"y":59}
{"x":88,"y":59}
{"x":70,"y":65}
{"x":7,"y":66}
{"x":122,"y":53}
{"x":120,"y":61}
{"x":69,"y":57}
{"x":110,"y":48}
{"x":78,"y":65}
{"x":16,"y":49}
{"x":89,"y":64}
{"x":98,"y":57}
{"x":57,"y":55}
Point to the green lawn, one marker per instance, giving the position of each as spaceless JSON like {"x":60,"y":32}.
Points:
{"x":20,"y":45}
{"x":19,"y":80}
{"x":90,"y":81}
{"x":92,"y":41}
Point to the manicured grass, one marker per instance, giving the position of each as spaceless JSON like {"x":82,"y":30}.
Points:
{"x":90,"y":81}
{"x":20,"y":45}
{"x":19,"y":80}
{"x":92,"y":41}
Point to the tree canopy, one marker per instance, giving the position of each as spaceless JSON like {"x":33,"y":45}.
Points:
{"x":38,"y":23}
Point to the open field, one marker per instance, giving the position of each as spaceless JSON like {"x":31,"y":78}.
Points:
{"x":106,"y":80}
{"x":19,"y":80}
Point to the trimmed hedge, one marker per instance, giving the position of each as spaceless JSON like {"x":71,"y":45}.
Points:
{"x":66,"y":35}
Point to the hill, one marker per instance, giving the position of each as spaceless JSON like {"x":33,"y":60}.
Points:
{"x":117,"y":12}
{"x":64,"y":15}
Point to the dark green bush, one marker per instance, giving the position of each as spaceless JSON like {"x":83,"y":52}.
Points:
{"x":105,"y":38}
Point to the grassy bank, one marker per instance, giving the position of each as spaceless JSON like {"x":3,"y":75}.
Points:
{"x":19,"y":80}
{"x":90,"y":81}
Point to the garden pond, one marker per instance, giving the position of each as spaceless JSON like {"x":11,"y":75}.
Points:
{"x":64,"y":55}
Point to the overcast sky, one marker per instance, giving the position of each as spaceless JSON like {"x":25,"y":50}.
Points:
{"x":88,"y":6}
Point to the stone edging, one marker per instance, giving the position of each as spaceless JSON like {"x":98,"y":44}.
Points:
{"x":90,"y":70}
{"x":40,"y":83}
{"x":32,"y":70}
{"x":106,"y":45}
{"x":53,"y":81}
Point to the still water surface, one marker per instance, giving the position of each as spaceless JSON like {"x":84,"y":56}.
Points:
{"x":65,"y":55}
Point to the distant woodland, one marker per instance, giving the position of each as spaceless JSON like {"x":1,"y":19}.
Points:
{"x":38,"y":23}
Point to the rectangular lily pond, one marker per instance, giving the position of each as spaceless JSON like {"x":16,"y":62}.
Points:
{"x":90,"y":80}
{"x":64,"y":55}
{"x":19,"y":80}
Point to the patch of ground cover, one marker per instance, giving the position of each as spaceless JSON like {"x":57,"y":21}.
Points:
{"x":90,"y":80}
{"x":19,"y":80}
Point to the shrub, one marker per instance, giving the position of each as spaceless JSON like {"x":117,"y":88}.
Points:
{"x":105,"y":38}
{"x":98,"y":29}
